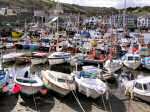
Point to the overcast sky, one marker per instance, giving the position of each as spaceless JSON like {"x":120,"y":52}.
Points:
{"x":108,"y":3}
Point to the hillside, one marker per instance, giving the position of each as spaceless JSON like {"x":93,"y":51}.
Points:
{"x":48,"y":4}
{"x":68,"y":8}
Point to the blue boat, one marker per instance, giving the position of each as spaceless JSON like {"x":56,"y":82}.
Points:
{"x":33,"y":47}
{"x":3,"y":80}
{"x":25,"y":46}
{"x":146,"y":62}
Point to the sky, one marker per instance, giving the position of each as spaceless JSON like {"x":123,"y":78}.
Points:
{"x":108,"y":3}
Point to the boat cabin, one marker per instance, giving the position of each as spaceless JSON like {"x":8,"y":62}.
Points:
{"x":142,"y":84}
{"x":131,"y":57}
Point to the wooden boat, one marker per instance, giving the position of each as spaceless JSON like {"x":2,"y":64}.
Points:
{"x":89,"y":85}
{"x":146,"y":62}
{"x":30,"y":84}
{"x":132,"y":61}
{"x":113,"y":65}
{"x":39,"y":58}
{"x":59,"y":82}
{"x":59,"y":58}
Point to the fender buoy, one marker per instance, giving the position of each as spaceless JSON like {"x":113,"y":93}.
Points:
{"x":5,"y":89}
{"x":16,"y":89}
{"x":43,"y":91}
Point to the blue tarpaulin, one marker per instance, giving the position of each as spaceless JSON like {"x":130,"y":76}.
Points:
{"x":85,"y":34}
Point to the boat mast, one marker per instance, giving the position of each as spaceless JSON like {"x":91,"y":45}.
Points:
{"x":57,"y":13}
{"x":124,"y":16}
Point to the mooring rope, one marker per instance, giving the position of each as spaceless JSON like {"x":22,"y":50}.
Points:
{"x":35,"y":104}
{"x":78,"y":101}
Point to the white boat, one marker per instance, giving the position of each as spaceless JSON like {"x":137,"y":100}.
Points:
{"x":89,"y":85}
{"x":131,"y":61}
{"x":101,"y":74}
{"x":9,"y":45}
{"x":113,"y":65}
{"x":139,"y":88}
{"x":1,"y":45}
{"x":59,"y":82}
{"x":11,"y":56}
{"x":30,"y":84}
{"x":59,"y":58}
{"x":77,"y":59}
{"x":146,"y":62}
{"x":39,"y":58}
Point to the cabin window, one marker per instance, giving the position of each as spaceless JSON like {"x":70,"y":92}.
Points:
{"x":146,"y":87}
{"x":61,"y":80}
{"x":138,"y":86}
{"x":137,"y":59}
{"x":130,"y":58}
{"x":27,"y":81}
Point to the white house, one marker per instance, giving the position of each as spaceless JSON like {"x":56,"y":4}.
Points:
{"x":143,"y":22}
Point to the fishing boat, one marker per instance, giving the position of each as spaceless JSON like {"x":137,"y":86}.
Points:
{"x":146,"y":62}
{"x":59,"y":58}
{"x":16,"y":35}
{"x":4,"y":79}
{"x":9,"y":45}
{"x":77,"y":59}
{"x":29,"y":83}
{"x":145,"y":51}
{"x":139,"y":87}
{"x":100,"y":73}
{"x":113,"y":65}
{"x":131,"y":61}
{"x":61,"y":83}
{"x":89,"y":85}
{"x":11,"y":57}
{"x":45,"y":44}
{"x":1,"y":45}
{"x":96,"y":56}
{"x":39,"y":58}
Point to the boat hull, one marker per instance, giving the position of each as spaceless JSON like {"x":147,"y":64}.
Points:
{"x":88,"y":92}
{"x":36,"y":61}
{"x":55,"y":88}
{"x":29,"y":90}
{"x":143,"y":97}
{"x":54,"y":61}
{"x":113,"y":67}
{"x":132,"y":64}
